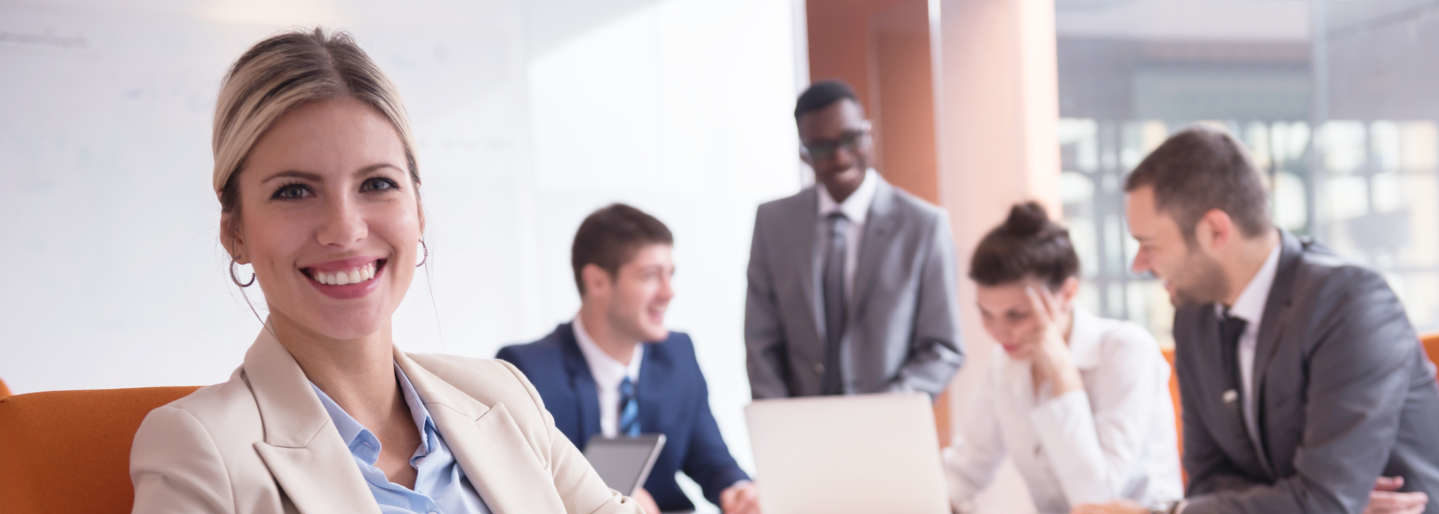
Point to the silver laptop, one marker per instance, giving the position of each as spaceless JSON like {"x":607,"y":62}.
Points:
{"x":624,"y":462}
{"x":843,"y":454}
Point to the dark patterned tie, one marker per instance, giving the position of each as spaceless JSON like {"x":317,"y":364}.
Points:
{"x":1230,"y":330}
{"x":629,"y":409}
{"x":834,"y":302}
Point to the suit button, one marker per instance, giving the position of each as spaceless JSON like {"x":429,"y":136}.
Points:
{"x":819,"y":368}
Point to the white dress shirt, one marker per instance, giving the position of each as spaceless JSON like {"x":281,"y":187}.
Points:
{"x":856,"y":208}
{"x":1113,"y":440}
{"x":1250,"y":307}
{"x":608,"y":374}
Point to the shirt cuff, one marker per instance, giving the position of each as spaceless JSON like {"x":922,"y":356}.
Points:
{"x":1064,"y":426}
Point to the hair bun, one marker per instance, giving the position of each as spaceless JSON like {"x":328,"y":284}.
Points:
{"x":1026,"y":219}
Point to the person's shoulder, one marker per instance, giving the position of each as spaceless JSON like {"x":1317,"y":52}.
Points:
{"x":489,"y":381}
{"x":214,"y":426}
{"x":1123,"y":336}
{"x":786,"y":205}
{"x":543,"y":347}
{"x":675,"y":352}
{"x":1324,"y":270}
{"x":679,"y":343}
{"x":923,"y":218}
{"x":914,"y":206}
{"x":219,"y":406}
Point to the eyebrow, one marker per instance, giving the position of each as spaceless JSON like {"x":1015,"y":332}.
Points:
{"x":315,"y":177}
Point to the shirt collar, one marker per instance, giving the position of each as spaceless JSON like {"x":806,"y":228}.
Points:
{"x":856,"y":206}
{"x":607,"y":371}
{"x":1084,"y":340}
{"x":361,"y":441}
{"x":1250,"y":304}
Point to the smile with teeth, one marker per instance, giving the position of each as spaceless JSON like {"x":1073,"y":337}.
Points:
{"x":346,"y":277}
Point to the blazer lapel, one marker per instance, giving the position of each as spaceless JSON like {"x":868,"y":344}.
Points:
{"x":1235,"y":437}
{"x":489,"y":446}
{"x":654,"y":386}
{"x":809,"y":256}
{"x":878,"y":231}
{"x":1276,"y":317}
{"x":582,"y":384}
{"x":302,"y":449}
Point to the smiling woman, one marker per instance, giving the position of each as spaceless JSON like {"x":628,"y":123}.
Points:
{"x":319,"y":194}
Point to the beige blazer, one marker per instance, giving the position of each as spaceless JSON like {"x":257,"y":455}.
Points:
{"x":262,"y":443}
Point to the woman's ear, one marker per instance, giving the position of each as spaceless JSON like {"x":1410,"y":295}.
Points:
{"x":1068,"y":290}
{"x":230,"y":237}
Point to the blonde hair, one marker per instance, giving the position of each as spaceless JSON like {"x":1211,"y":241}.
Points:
{"x":283,"y":72}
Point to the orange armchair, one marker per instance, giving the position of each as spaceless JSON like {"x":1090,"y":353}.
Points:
{"x":1431,"y":346}
{"x":1178,"y":417}
{"x":4,"y":390}
{"x":69,"y":451}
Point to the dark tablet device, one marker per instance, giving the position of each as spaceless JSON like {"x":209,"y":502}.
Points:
{"x":624,"y":462}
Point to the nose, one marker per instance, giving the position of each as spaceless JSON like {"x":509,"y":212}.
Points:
{"x":667,"y":290}
{"x":843,"y":157}
{"x":1140,"y":264}
{"x":344,"y":224}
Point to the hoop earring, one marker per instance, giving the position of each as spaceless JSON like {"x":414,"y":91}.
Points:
{"x":236,"y":279}
{"x":426,"y":249}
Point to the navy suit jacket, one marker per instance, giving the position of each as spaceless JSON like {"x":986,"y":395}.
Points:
{"x":673,"y":400}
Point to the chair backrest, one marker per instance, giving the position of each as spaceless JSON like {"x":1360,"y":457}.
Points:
{"x":1431,"y":346}
{"x":4,"y":390}
{"x":69,"y":451}
{"x":1178,"y":417}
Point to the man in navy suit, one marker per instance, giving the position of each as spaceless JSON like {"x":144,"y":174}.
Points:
{"x":616,"y":370}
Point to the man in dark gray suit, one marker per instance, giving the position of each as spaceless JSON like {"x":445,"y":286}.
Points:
{"x":1304,"y":387}
{"x":851,"y":281}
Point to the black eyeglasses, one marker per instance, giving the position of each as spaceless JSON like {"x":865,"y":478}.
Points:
{"x":823,"y":150}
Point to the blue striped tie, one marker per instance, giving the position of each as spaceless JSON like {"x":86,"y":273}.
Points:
{"x":629,"y":409}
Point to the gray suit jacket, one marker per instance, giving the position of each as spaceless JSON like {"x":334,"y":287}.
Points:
{"x":903,"y":323}
{"x":1346,"y":394}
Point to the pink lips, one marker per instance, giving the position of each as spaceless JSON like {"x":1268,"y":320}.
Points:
{"x":347,"y":291}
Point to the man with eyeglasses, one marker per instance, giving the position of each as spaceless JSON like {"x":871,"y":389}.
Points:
{"x":851,"y":281}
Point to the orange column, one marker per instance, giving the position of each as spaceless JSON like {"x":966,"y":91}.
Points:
{"x":998,"y":110}
{"x":883,"y":49}
{"x":964,"y":97}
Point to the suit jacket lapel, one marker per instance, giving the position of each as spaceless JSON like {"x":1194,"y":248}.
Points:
{"x":879,"y":228}
{"x":809,"y":256}
{"x":582,"y":384}
{"x":1276,"y":317}
{"x":1235,"y":436}
{"x":486,"y":441}
{"x":302,"y":448}
{"x":653,"y":387}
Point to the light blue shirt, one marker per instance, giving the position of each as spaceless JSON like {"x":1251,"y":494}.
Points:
{"x":440,"y":484}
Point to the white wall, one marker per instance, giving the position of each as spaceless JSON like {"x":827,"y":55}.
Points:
{"x":528,"y":114}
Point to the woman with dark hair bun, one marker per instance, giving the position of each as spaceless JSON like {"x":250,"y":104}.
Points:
{"x":1079,"y":403}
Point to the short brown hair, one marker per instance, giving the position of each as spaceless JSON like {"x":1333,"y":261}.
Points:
{"x":1027,"y":244}
{"x":609,"y":237}
{"x":1199,"y":169}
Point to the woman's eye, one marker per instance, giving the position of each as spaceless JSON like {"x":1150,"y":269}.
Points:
{"x":291,"y":192}
{"x":379,"y":184}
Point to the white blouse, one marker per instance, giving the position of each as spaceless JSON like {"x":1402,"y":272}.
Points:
{"x":1113,"y":440}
